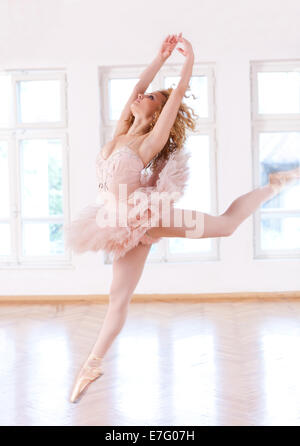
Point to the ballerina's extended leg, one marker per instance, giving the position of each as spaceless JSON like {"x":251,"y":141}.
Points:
{"x":225,"y":224}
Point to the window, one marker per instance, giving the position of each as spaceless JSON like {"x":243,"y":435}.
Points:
{"x":116,"y":85}
{"x":276,"y":147}
{"x":33,"y":168}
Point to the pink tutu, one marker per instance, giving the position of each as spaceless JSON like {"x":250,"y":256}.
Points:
{"x":149,"y":195}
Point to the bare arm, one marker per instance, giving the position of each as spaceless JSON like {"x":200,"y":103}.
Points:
{"x":149,"y":73}
{"x":159,"y":136}
{"x":145,"y":80}
{"x":186,"y":73}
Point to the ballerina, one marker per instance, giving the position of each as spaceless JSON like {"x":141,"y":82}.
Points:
{"x":150,"y":133}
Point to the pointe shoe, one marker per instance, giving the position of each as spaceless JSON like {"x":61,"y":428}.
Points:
{"x":88,"y":373}
{"x":280,"y":179}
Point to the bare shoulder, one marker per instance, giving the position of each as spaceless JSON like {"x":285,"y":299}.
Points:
{"x":143,"y":145}
{"x":150,"y":147}
{"x":107,"y":148}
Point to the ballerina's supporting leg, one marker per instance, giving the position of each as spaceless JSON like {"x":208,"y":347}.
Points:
{"x":127,"y":271}
{"x":214,"y":226}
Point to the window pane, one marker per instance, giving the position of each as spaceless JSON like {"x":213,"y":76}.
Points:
{"x":4,"y":180}
{"x":198,"y":192}
{"x":280,"y":232}
{"x":279,"y":92}
{"x":5,"y":248}
{"x":153,"y":250}
{"x":199,"y":88}
{"x":186,"y":246}
{"x":42,"y":239}
{"x":5,"y":101}
{"x":119,"y":91}
{"x":41,"y":173}
{"x":39,"y":101}
{"x":280,"y":151}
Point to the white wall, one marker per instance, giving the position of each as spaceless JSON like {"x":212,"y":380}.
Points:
{"x":80,"y":35}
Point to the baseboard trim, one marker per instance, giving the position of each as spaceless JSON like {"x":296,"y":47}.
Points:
{"x":202,"y":297}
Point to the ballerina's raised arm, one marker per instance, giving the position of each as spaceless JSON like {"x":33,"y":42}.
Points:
{"x":145,"y":80}
{"x":160,"y":133}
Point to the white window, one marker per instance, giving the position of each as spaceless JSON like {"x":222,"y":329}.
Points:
{"x":276,"y":146}
{"x":33,"y":168}
{"x":116,"y":84}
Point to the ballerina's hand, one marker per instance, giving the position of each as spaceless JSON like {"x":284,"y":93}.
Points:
{"x":168,"y":46}
{"x":188,"y":49}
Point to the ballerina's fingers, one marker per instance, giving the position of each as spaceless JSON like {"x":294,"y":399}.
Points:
{"x":174,"y":41}
{"x":173,"y":38}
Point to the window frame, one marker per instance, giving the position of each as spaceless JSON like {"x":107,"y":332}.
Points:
{"x":30,"y":76}
{"x":260,"y":123}
{"x":16,"y":133}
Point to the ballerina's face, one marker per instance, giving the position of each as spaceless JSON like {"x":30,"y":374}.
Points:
{"x":148,"y":103}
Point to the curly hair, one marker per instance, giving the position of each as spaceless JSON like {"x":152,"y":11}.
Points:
{"x":178,"y":133}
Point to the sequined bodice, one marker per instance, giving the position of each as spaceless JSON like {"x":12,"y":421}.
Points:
{"x":123,"y":165}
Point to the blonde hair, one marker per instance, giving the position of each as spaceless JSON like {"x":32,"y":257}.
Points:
{"x":177,"y":136}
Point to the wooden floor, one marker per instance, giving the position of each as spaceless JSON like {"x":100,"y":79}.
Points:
{"x":206,"y":363}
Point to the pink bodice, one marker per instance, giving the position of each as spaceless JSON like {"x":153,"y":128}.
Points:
{"x":123,"y":166}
